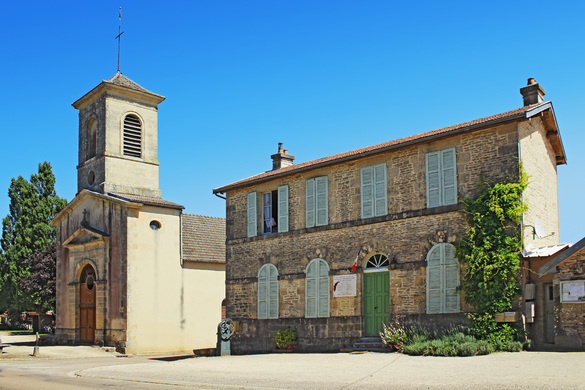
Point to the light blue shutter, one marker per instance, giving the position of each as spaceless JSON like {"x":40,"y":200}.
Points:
{"x":321,"y":196}
{"x":449,"y":176}
{"x":323,"y":288}
{"x":283,"y":208}
{"x":310,"y":202}
{"x":434,"y":280}
{"x":367,"y":192}
{"x":311,"y":290}
{"x":380,"y":190}
{"x":451,"y":272}
{"x":252,"y":227}
{"x":433,"y":176}
{"x":273,"y":292}
{"x":263,"y":293}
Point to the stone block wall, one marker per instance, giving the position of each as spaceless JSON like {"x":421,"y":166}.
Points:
{"x":405,"y":235}
{"x":490,"y":154}
{"x":570,"y":317}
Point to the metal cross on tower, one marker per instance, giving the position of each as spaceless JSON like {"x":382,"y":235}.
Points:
{"x":119,"y":36}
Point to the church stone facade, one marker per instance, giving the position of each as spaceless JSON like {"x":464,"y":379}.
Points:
{"x":133,"y":271}
{"x":336,"y":246}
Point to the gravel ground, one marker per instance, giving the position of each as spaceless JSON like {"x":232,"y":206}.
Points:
{"x":524,"y":370}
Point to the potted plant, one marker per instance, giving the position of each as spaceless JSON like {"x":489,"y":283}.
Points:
{"x":286,"y":340}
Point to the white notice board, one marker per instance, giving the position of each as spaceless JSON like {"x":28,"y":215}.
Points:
{"x":573,"y":291}
{"x":344,"y":285}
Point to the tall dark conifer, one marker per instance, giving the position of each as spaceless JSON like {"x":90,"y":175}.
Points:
{"x":26,"y":230}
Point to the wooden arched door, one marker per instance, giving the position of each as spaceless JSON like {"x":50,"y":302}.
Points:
{"x":87,"y":289}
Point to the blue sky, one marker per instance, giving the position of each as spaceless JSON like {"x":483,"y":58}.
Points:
{"x":323,"y":77}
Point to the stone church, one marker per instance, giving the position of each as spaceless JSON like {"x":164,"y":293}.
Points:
{"x":133,"y":270}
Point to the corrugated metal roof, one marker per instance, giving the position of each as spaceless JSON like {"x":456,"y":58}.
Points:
{"x":545,"y":251}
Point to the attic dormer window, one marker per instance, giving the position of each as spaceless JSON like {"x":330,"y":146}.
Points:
{"x":132,"y":136}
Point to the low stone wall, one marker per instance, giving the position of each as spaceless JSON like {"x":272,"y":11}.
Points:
{"x":314,"y":334}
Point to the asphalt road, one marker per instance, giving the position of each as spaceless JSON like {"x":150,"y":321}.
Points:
{"x":525,"y":370}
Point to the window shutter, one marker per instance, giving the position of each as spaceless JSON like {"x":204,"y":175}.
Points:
{"x":434,"y":281}
{"x":451,"y":267}
{"x":283,"y":208}
{"x":323,"y":288}
{"x":433,"y":179}
{"x":367,"y":192}
{"x":262,"y":293}
{"x":380,"y":190}
{"x":321,"y":196}
{"x":132,"y":136}
{"x":273,"y":292}
{"x":310,"y":202}
{"x":252,"y":227}
{"x":449,"y":176}
{"x":311,"y":291}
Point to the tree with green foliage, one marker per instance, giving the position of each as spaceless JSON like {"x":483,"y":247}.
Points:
{"x":40,"y":284}
{"x":26,"y":230}
{"x":491,"y":250}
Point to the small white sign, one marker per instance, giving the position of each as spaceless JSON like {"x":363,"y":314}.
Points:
{"x":573,"y":291}
{"x":344,"y":285}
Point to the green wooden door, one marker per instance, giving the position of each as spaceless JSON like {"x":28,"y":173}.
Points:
{"x":376,"y":301}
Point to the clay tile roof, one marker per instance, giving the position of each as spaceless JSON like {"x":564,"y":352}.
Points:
{"x":123,"y":81}
{"x":353,"y":154}
{"x":203,"y":238}
{"x":146,"y":200}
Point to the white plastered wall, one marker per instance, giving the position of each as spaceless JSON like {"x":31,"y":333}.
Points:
{"x":170,"y":307}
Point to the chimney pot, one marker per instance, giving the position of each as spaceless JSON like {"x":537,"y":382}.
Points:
{"x":282,"y":158}
{"x":533,"y":93}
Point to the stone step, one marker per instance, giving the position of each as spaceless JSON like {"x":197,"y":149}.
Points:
{"x":371,"y":344}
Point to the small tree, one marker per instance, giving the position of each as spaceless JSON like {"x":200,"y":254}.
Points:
{"x":24,"y":231}
{"x":40,"y":284}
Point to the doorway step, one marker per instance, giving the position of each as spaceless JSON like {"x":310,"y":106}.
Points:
{"x":370,"y":344}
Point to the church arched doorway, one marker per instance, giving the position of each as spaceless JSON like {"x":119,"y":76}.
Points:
{"x":376,"y":293}
{"x":87,"y":294}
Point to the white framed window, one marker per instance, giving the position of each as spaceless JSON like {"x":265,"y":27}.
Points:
{"x":441,"y":177}
{"x":275,"y":210}
{"x":317,"y":289}
{"x":442,"y":280}
{"x":374,"y":193}
{"x":317,"y":201}
{"x":268,"y":292}
{"x":132,"y":136}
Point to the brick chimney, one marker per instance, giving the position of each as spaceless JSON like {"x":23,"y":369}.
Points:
{"x":533,"y":93}
{"x":282,"y":158}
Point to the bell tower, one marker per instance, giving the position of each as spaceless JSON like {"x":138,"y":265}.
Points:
{"x":118,"y":136}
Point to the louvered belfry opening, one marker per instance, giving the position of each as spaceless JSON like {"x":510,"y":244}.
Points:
{"x":132,"y":136}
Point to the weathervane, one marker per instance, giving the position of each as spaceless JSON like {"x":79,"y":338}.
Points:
{"x":119,"y":36}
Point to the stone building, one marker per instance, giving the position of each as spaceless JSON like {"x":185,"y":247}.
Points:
{"x":336,"y":246}
{"x":564,"y":296}
{"x":133,"y":271}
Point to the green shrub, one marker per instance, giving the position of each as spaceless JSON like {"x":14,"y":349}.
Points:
{"x":286,"y":338}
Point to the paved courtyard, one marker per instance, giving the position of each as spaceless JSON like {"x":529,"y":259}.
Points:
{"x":92,"y":368}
